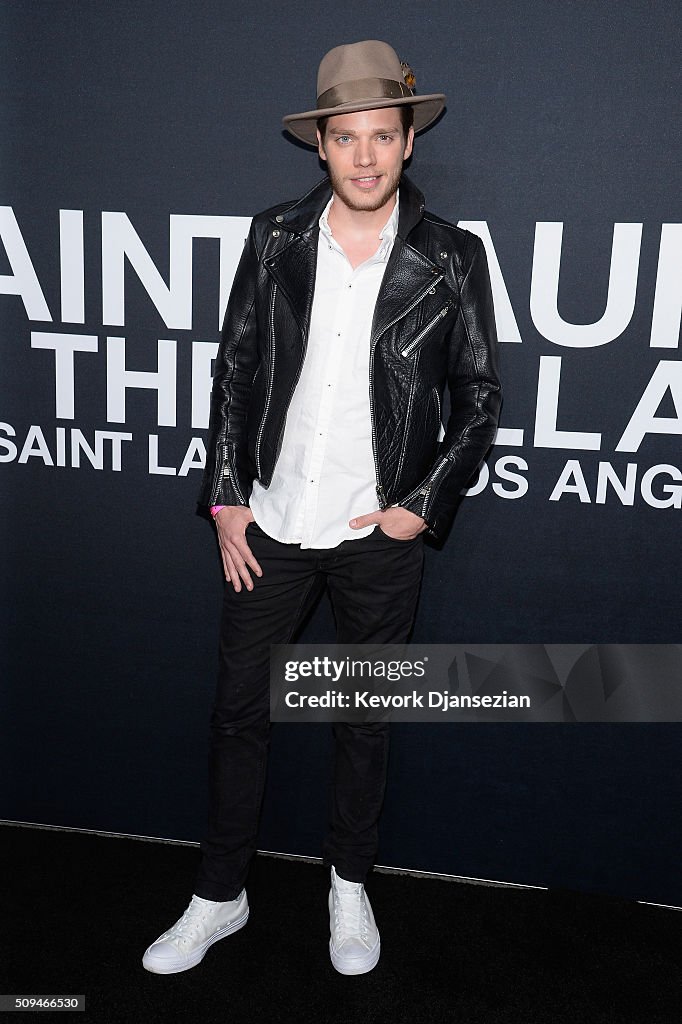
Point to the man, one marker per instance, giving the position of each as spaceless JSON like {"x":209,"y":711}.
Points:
{"x":351,"y":310}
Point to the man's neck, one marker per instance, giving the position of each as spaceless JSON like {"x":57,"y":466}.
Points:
{"x":358,"y":224}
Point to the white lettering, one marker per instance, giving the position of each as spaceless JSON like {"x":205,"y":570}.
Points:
{"x":154,"y":467}
{"x":64,"y":346}
{"x":96,"y":456}
{"x":481,"y":482}
{"x":23,"y":280}
{"x":195,"y":457}
{"x":504,"y":473}
{"x":173,"y":301}
{"x":507,"y":328}
{"x":72,"y":266}
{"x":546,"y":412}
{"x":606,"y":474}
{"x":162,"y":380}
{"x":35,"y":445}
{"x":509,"y":437}
{"x":667,"y":374}
{"x":572,"y":470}
{"x":203,"y":354}
{"x":9,"y":447}
{"x":675,"y":492}
{"x":620,"y":302}
{"x":665,"y":322}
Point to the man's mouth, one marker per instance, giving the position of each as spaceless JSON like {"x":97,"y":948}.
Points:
{"x":366,"y":181}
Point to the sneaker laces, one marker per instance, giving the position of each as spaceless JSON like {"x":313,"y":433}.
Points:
{"x":191,"y":922}
{"x":350,"y":914}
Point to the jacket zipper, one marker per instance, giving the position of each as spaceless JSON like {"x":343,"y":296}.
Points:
{"x":230,"y":472}
{"x":426,"y":491}
{"x":271,"y":380}
{"x":403,"y":447}
{"x":217,"y":473}
{"x":381,"y":494}
{"x":416,"y":341}
{"x":379,"y":489}
{"x":436,"y":395}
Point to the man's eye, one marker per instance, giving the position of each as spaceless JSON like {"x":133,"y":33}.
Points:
{"x":343,"y":138}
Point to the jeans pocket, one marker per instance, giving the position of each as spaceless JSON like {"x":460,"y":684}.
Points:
{"x":396,"y":540}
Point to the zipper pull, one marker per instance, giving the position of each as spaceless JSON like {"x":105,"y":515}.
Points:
{"x":381,"y":496}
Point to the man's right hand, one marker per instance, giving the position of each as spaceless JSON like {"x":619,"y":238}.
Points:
{"x":231,"y":522}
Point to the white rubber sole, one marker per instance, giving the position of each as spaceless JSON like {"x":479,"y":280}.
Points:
{"x":185,"y":963}
{"x":355,"y":965}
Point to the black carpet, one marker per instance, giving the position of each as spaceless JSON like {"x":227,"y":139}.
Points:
{"x":79,"y":911}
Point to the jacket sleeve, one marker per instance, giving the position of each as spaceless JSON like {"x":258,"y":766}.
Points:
{"x":235,"y":368}
{"x":475,"y":399}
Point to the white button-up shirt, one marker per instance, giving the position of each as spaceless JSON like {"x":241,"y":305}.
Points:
{"x":325,"y":473}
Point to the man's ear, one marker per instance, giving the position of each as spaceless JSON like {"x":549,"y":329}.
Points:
{"x":320,"y":145}
{"x":408,"y":143}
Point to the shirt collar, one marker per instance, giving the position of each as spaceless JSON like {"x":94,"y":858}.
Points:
{"x":386,"y":235}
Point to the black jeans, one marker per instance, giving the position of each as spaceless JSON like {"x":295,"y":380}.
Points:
{"x":374,"y":584}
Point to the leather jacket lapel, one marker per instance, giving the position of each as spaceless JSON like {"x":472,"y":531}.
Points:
{"x":408,"y":278}
{"x":293,"y":269}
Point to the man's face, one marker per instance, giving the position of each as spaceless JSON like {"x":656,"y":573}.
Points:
{"x":364,"y":152}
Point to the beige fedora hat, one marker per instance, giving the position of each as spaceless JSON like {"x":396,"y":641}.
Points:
{"x":363,"y":76}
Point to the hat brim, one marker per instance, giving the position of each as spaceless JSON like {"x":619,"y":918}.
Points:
{"x":426,"y":110}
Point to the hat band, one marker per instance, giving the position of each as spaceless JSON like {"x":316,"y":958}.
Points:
{"x":363,"y":89}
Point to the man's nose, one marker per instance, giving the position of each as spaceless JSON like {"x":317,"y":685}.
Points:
{"x":364,"y":153}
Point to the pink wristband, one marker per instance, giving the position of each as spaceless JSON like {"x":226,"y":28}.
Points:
{"x":215,"y":509}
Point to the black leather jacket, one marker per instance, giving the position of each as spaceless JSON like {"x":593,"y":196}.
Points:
{"x":433,"y":324}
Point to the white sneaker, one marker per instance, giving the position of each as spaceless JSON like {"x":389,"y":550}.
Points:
{"x":354,"y":945}
{"x":203,"y":923}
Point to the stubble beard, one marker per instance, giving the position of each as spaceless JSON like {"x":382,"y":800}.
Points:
{"x":364,"y":203}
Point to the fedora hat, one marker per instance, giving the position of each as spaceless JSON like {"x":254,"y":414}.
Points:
{"x":363,"y":76}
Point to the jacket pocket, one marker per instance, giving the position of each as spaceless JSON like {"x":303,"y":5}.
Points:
{"x":436,"y":398}
{"x":421,"y":336}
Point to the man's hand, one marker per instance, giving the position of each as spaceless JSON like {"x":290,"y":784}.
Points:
{"x":231,"y":523}
{"x":398,"y":523}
